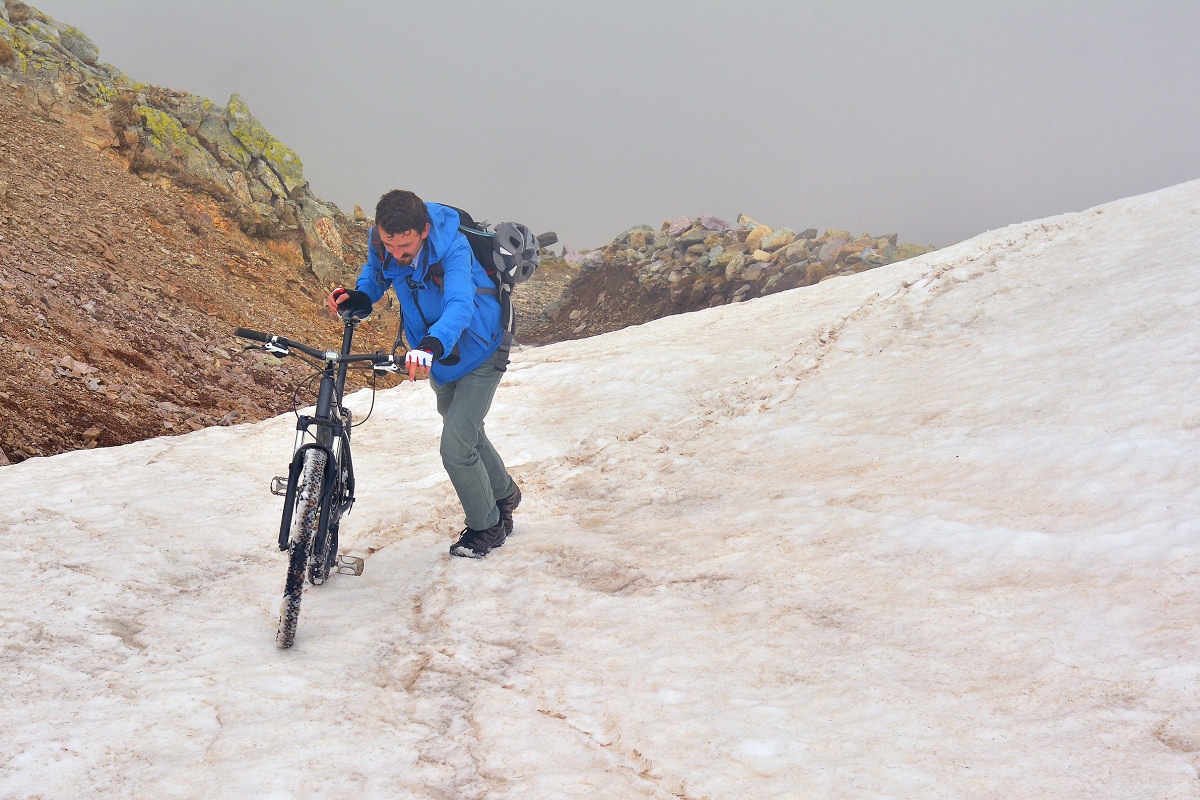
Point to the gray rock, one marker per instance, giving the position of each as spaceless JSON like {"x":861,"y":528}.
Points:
{"x":796,"y":251}
{"x":213,"y":132}
{"x":79,"y":45}
{"x":695,"y":236}
{"x":830,"y":251}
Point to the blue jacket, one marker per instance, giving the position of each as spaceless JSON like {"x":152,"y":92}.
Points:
{"x":460,"y":309}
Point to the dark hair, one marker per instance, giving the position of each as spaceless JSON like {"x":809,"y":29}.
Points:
{"x":400,"y":211}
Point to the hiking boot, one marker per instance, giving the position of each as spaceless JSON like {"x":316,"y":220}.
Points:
{"x":507,"y":506}
{"x":477,"y":544}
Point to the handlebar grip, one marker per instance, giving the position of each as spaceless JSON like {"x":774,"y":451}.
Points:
{"x":246,"y":333}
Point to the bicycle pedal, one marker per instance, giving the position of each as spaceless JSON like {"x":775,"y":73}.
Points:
{"x":279,"y":486}
{"x":349,"y":565}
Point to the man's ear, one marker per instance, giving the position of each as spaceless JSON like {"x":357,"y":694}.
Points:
{"x":425,"y":233}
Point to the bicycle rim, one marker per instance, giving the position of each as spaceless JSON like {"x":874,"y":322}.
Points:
{"x":305,"y":519}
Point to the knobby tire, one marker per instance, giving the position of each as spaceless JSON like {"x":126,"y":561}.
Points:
{"x":305,"y":521}
{"x":325,"y":545}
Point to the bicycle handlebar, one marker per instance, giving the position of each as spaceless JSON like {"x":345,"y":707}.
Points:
{"x":281,"y":345}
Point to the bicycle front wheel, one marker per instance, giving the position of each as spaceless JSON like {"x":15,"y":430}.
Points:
{"x":306,"y":517}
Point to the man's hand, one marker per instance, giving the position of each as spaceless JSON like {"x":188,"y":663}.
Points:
{"x":349,"y":302}
{"x":418,"y":362}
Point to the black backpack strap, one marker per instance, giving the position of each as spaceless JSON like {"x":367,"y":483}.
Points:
{"x":465,"y":220}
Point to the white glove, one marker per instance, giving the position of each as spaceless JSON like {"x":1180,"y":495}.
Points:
{"x":418,"y":363}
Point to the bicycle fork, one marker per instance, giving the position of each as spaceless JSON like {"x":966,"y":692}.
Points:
{"x":337,"y":490}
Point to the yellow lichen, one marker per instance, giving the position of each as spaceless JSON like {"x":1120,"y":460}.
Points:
{"x":103,"y":93}
{"x":251,"y":133}
{"x":164,"y":129}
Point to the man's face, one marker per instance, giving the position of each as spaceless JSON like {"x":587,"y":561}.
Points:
{"x":404,"y":246}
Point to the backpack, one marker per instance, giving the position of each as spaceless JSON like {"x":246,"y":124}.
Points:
{"x":510,"y":254}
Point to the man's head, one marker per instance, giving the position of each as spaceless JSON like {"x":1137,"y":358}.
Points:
{"x":403,"y":222}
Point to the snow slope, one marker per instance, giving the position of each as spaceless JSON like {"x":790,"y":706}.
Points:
{"x":929,"y":531}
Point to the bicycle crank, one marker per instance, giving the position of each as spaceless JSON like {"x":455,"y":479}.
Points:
{"x":348,"y":565}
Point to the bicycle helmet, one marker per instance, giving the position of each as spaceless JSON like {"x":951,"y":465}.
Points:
{"x":516,"y":251}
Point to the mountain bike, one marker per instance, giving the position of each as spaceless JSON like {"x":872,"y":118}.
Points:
{"x":319,"y":487}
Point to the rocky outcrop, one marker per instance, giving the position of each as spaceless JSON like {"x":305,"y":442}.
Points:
{"x":693,"y":263}
{"x":223,"y":151}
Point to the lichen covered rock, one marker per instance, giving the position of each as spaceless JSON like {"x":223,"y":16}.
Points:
{"x":281,"y":160}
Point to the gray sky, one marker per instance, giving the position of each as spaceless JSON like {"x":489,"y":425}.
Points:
{"x":933,"y":120}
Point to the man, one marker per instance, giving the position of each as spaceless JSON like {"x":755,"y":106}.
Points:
{"x":450,"y":308}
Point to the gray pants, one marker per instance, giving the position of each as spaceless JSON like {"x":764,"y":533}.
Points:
{"x":475,"y":468}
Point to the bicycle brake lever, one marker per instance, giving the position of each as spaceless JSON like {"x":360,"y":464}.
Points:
{"x":386,"y":367}
{"x":276,"y":349}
